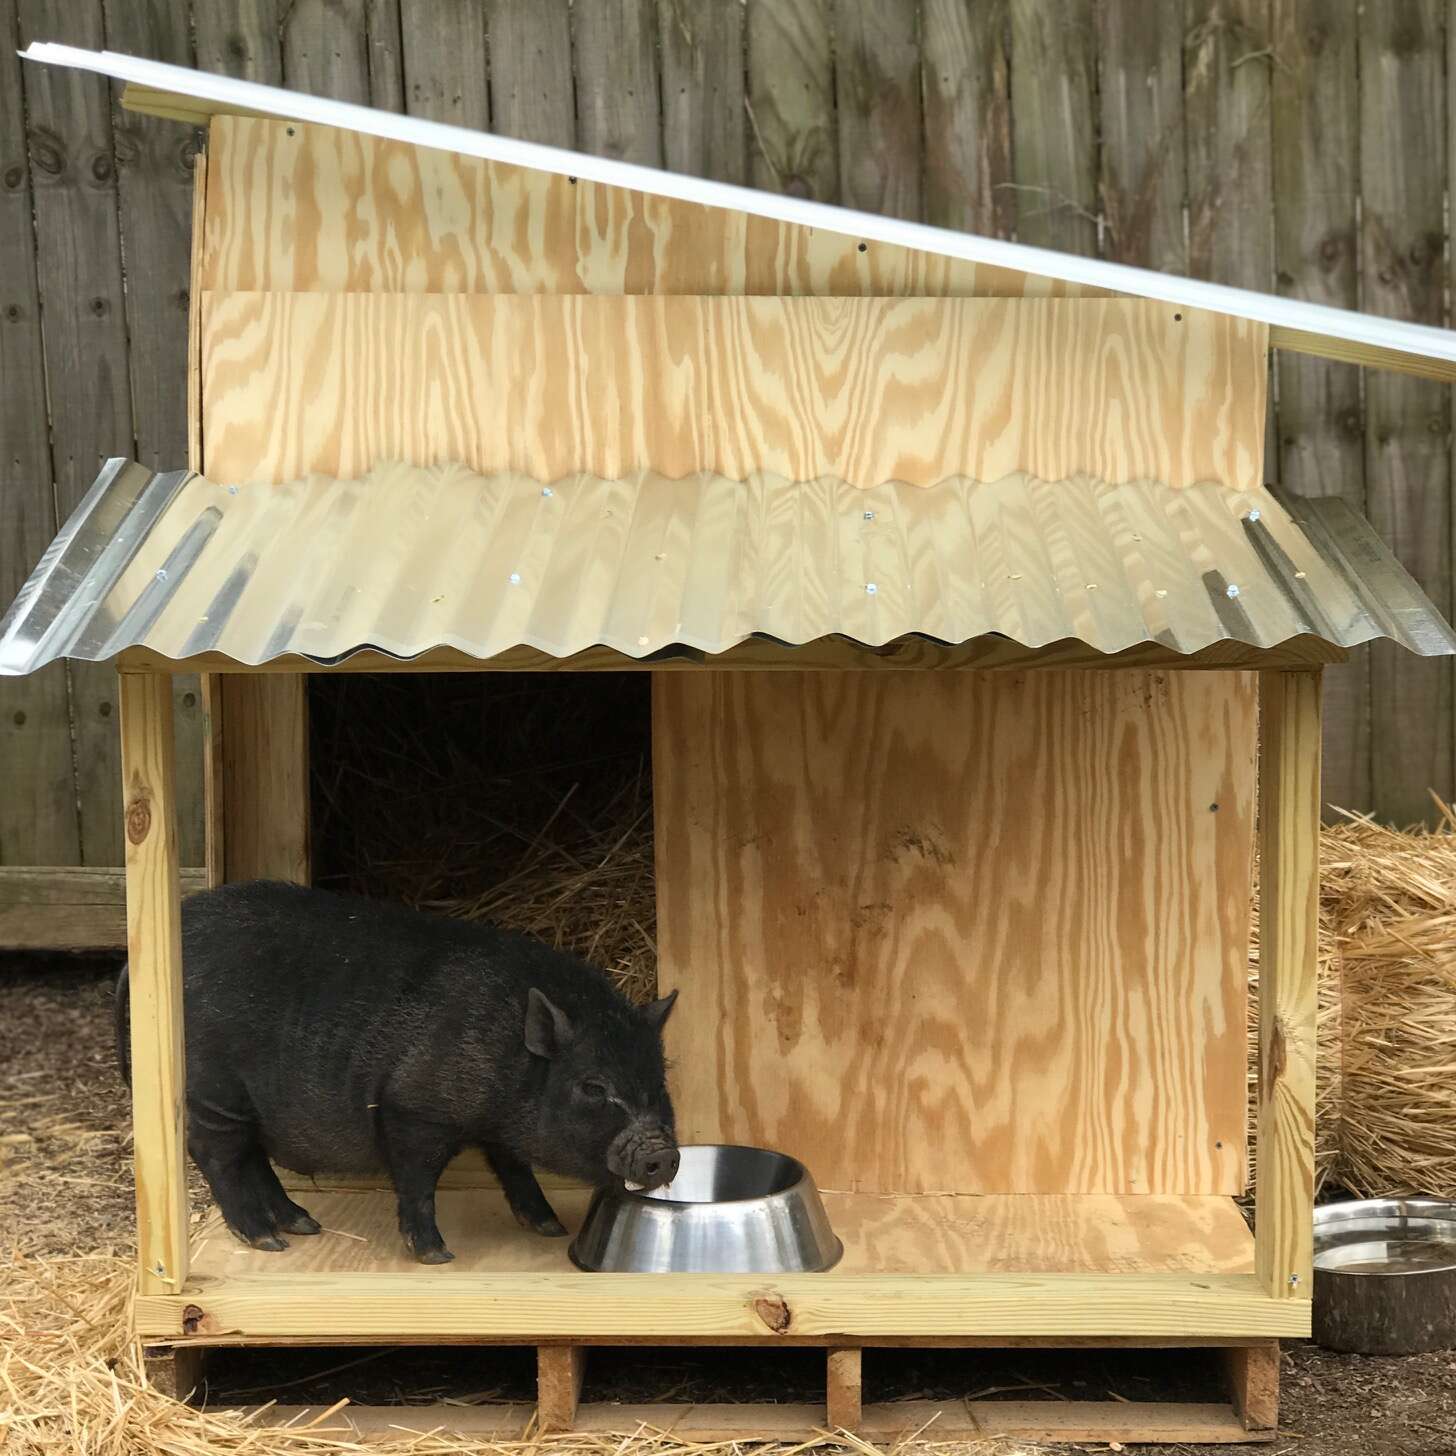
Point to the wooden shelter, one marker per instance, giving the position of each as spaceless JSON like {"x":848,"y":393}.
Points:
{"x":959,"y":912}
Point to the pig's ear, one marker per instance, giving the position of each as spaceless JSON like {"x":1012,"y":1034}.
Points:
{"x":548,"y":1027}
{"x":658,"y":1012}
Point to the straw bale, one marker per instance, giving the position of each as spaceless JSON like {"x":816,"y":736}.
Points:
{"x":1391,"y":898}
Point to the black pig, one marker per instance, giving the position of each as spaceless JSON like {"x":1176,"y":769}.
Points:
{"x":339,"y":1035}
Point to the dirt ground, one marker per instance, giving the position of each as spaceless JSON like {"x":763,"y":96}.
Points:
{"x":65,"y":1188}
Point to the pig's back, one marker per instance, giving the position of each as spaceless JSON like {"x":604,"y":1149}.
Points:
{"x":298,"y":1006}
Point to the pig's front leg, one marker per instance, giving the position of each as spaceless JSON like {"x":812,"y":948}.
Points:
{"x":523,"y":1192}
{"x":416,"y":1153}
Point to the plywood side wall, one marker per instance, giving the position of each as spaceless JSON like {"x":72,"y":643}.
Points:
{"x":865,"y":389}
{"x":982,"y":935}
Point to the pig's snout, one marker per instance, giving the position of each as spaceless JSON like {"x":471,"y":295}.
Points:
{"x":643,"y":1156}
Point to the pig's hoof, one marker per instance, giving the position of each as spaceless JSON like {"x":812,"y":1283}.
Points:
{"x":435,"y":1256}
{"x":301,"y":1223}
{"x":269,"y":1243}
{"x":551,"y":1228}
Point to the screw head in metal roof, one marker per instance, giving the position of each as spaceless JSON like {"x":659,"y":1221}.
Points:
{"x":871,"y":588}
{"x":232,"y":490}
{"x":161,"y":573}
{"x":547,"y":491}
{"x":1253,"y":515}
{"x":869,"y":515}
{"x":1162,"y":591}
{"x":1091,"y":586}
{"x":515,"y":578}
{"x":1015,"y":576}
{"x":1232,"y":590}
{"x":642,"y":642}
{"x":1300,"y":575}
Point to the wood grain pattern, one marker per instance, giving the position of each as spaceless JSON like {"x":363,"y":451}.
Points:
{"x":967,"y":81}
{"x":329,"y":210}
{"x":1140,"y":100}
{"x":445,"y":67}
{"x":844,"y":1389}
{"x":1289,"y":813}
{"x":68,"y":908}
{"x":39,"y":824}
{"x":791,"y":98}
{"x":528,"y":1308}
{"x":877,"y":90}
{"x":882,"y":1234}
{"x":1253,"y":1383}
{"x":1036,"y":885}
{"x":154,"y":168}
{"x":1403,"y":172}
{"x":83,"y":328}
{"x":154,"y":955}
{"x":868,"y":390}
{"x":1054,"y":80}
{"x":530,"y":64}
{"x":1316,"y":122}
{"x":559,"y":1373}
{"x":618,"y":106}
{"x":704,"y":122}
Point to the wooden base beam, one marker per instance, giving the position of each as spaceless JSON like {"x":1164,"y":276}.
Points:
{"x":845,"y":1390}
{"x":1253,"y":1384}
{"x":560,"y":1370}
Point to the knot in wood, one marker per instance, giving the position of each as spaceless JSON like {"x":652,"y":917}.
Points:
{"x":47,"y":152}
{"x":192,"y":1317}
{"x":138,"y":819}
{"x":101,"y":167}
{"x":774,"y":1311}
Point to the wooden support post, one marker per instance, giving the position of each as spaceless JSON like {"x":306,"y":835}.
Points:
{"x":1289,"y":823}
{"x":845,"y":1390}
{"x":154,"y":953}
{"x":559,"y":1373}
{"x":189,"y":1373}
{"x":1252,"y":1375}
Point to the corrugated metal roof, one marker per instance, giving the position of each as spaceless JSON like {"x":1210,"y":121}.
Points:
{"x":407,"y":560}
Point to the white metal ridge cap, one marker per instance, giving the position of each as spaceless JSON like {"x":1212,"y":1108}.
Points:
{"x":1296,"y":315}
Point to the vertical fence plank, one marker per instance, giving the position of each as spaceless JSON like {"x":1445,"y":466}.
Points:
{"x":154,"y":161}
{"x":1407,"y":424}
{"x":530,"y":71}
{"x":966,"y":73}
{"x":38,"y":823}
{"x":326,"y":48}
{"x":791,"y":98}
{"x":617,"y":105}
{"x":238,"y":38}
{"x":1226,"y":85}
{"x":877,"y":70}
{"x":445,"y":71}
{"x":1316,"y":113}
{"x":83,"y":326}
{"x":1143,"y":164}
{"x":1053,"y":125}
{"x":705,"y":126}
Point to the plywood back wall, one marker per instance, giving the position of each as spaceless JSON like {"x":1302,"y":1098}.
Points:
{"x":867,"y":389}
{"x":960,"y":932}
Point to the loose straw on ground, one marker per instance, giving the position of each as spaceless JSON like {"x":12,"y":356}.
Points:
{"x":72,"y":1380}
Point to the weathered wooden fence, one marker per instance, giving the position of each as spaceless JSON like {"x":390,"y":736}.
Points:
{"x":1292,"y":145}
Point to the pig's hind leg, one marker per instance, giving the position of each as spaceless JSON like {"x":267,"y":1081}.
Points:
{"x":523,"y":1193}
{"x":288,"y":1217}
{"x":416,"y":1152}
{"x":226,"y":1149}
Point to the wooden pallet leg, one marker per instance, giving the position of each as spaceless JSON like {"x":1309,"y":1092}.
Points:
{"x":1253,"y":1383}
{"x":559,"y":1372}
{"x":845,"y":1390}
{"x":189,"y":1372}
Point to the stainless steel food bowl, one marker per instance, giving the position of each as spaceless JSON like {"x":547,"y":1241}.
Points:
{"x":1385,"y":1275}
{"x":730,"y":1210}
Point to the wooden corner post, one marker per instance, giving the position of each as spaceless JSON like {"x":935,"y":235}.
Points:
{"x":154,"y":955}
{"x":1289,"y":838}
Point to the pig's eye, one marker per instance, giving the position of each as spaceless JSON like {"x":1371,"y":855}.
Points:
{"x":592,"y":1091}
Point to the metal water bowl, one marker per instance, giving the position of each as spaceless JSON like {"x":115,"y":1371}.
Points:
{"x":1385,"y":1275}
{"x":729,"y":1210}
